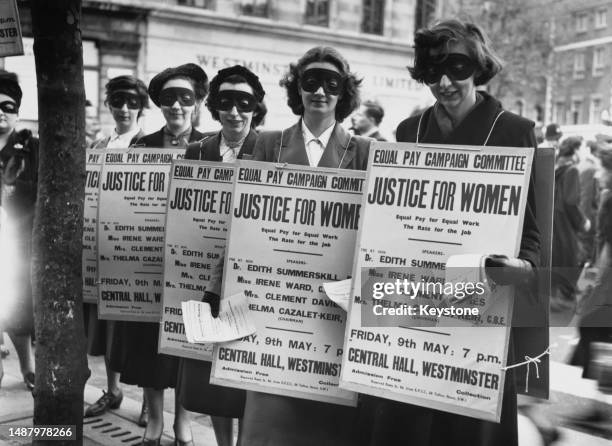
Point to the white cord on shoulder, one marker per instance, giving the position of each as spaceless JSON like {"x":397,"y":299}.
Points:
{"x":345,"y":149}
{"x":280,"y":146}
{"x":419,"y":129}
{"x":492,"y":127}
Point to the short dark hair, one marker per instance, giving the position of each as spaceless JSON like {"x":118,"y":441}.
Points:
{"x":128,"y":82}
{"x":446,"y":32}
{"x":260,"y":115}
{"x":237,"y":75}
{"x":374,"y":111}
{"x":349,"y":98}
{"x":570,"y":145}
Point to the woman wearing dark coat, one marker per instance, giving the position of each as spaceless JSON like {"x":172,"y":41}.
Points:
{"x":596,"y":313}
{"x":179,"y":92}
{"x":452,"y":58}
{"x":235,"y":100}
{"x":126,"y":98}
{"x":569,"y":221}
{"x":321,"y":90}
{"x":19,"y":178}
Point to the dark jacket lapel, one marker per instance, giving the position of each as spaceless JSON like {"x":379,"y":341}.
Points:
{"x":292,"y":148}
{"x":210,"y":148}
{"x":337,"y":150}
{"x":138,"y":135}
{"x":248,"y":144}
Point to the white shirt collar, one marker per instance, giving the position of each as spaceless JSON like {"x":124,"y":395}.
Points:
{"x":228,"y":154}
{"x":323,"y":138}
{"x":120,"y":141}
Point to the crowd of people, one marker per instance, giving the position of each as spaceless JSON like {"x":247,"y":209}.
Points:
{"x":455,"y":60}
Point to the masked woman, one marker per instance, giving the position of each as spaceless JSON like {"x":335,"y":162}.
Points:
{"x":178,"y":91}
{"x":235,"y":100}
{"x":322,"y":91}
{"x":452,"y":58}
{"x":19,"y":177}
{"x":126,"y":98}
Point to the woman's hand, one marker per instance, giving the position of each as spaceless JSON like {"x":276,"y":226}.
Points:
{"x":504,"y":270}
{"x":214,"y":301}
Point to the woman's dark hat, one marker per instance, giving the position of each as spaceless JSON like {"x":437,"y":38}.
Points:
{"x":239,"y":70}
{"x":605,"y":156}
{"x":9,"y":85}
{"x":189,"y":70}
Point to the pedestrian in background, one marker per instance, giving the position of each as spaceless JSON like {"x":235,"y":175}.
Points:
{"x":589,"y":169}
{"x":367,"y":119}
{"x":568,"y":222}
{"x":596,"y":308}
{"x":126,"y":98}
{"x":179,"y":92}
{"x":552,"y":136}
{"x":19,"y":179}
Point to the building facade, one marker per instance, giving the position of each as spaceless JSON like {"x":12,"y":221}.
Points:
{"x":582,"y":79}
{"x":142,"y":37}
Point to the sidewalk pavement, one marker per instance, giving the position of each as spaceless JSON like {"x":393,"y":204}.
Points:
{"x":118,"y":427}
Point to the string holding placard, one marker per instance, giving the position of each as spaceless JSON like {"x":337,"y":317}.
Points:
{"x":528,"y":361}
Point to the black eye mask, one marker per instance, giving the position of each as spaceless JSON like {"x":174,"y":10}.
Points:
{"x":227,"y":99}
{"x":117,"y":100}
{"x":457,"y":67}
{"x":9,"y":107}
{"x":312,"y":79}
{"x":184,"y":96}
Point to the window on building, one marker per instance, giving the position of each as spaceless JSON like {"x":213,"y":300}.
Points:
{"x":317,"y":12}
{"x":257,"y":8}
{"x":575,"y":112}
{"x":204,"y":4}
{"x":373,"y":20}
{"x":424,"y":13}
{"x":519,"y":107}
{"x":595,"y":111}
{"x":581,"y":22}
{"x":578,"y":65}
{"x":599,"y":55}
{"x":601,"y":18}
{"x":559,"y":113}
{"x":539,"y":113}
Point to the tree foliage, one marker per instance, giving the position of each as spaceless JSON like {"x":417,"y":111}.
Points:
{"x":521,"y":36}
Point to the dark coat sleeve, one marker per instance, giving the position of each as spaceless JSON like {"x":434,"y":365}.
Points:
{"x":604,"y":219}
{"x":407,"y":129}
{"x":265,"y":146}
{"x":193,"y":151}
{"x":571,"y":198}
{"x":362,"y":152}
